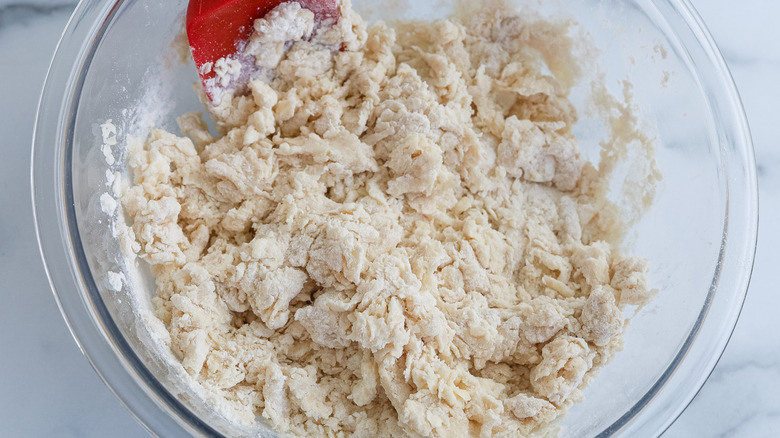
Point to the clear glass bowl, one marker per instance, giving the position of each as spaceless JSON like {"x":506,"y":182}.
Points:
{"x":699,"y":235}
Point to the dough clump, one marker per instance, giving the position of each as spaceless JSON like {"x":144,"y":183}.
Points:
{"x":393,"y":234}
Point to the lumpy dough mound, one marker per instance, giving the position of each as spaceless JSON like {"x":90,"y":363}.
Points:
{"x":394,"y":234}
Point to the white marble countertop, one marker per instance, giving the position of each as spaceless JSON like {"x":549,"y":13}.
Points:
{"x":47,"y":388}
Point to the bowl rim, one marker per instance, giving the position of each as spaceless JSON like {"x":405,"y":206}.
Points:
{"x":129,"y":379}
{"x":76,"y":294}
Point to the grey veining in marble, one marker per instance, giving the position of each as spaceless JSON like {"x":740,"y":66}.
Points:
{"x":23,"y":13}
{"x":47,"y":388}
{"x":20,"y":13}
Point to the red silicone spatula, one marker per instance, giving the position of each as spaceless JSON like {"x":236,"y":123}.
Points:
{"x":215,"y":28}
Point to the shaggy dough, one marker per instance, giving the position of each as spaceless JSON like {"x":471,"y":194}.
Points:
{"x":394,"y":233}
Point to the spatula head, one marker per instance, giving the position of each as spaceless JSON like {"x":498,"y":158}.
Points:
{"x":216,"y":27}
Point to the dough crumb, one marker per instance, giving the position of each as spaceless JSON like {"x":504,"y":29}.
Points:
{"x":108,"y":133}
{"x":115,"y":280}
{"x":108,"y":204}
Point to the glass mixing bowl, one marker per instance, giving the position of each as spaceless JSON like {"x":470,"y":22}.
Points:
{"x":120,"y":60}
